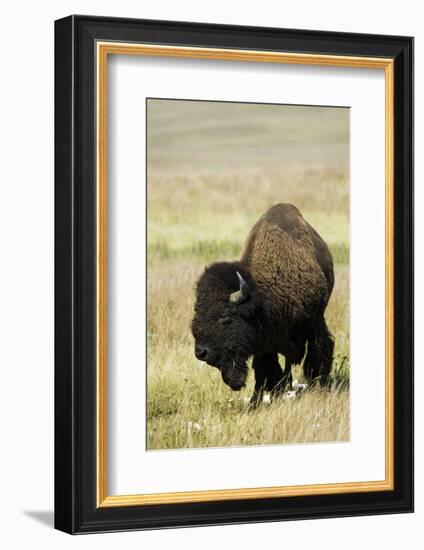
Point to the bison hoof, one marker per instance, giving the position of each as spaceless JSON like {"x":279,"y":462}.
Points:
{"x":254,"y":402}
{"x":259,"y":399}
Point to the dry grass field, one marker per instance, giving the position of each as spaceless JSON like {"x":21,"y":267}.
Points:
{"x":213,"y":170}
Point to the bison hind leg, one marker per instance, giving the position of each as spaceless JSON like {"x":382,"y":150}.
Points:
{"x":319,"y":358}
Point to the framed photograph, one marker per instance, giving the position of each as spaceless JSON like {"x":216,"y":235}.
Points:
{"x":234,"y":274}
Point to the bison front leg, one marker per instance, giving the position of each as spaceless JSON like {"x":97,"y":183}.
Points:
{"x":268,"y":376}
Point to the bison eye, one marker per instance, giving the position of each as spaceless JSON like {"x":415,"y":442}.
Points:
{"x":225,"y":321}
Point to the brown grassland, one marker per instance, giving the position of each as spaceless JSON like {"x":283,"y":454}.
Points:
{"x":213,"y":169}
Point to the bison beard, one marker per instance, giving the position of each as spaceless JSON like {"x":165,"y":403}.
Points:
{"x":235,"y":376}
{"x":270,"y":302}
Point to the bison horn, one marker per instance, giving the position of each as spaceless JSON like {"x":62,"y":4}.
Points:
{"x":239,"y":295}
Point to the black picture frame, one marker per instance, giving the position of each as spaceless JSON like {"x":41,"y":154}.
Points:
{"x":76,"y":509}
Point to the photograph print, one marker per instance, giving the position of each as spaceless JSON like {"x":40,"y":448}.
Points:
{"x":247,"y":274}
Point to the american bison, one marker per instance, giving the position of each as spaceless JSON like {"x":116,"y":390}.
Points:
{"x":271,"y":301}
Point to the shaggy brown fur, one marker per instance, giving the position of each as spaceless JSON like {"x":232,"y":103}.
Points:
{"x":272,"y":301}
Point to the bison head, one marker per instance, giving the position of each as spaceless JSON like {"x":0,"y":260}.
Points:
{"x":226,"y":325}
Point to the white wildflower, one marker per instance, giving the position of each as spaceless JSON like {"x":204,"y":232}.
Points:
{"x":298,"y":387}
{"x":289,"y":395}
{"x":194,"y":426}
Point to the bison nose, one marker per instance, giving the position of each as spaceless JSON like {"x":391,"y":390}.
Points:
{"x":201,"y":352}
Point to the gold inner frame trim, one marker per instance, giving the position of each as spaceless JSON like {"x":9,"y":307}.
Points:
{"x":103,"y":50}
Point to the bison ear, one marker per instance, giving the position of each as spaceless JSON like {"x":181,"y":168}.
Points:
{"x":242,"y":294}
